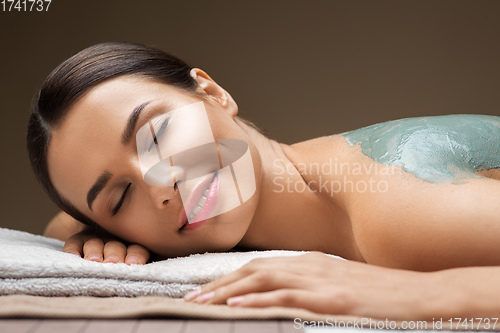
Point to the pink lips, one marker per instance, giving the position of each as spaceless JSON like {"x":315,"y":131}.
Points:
{"x":207,"y":209}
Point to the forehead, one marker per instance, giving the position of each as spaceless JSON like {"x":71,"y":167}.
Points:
{"x":88,"y":140}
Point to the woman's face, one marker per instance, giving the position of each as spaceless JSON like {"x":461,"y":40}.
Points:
{"x":88,"y":151}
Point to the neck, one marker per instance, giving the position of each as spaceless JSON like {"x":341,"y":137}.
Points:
{"x":289,"y":216}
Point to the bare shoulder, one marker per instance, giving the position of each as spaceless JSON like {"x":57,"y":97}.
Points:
{"x":422,"y":220}
{"x":400,"y":220}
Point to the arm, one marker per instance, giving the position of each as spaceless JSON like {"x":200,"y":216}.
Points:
{"x":81,"y":241}
{"x":422,"y":226}
{"x":327,"y":285}
{"x":62,"y":226}
{"x":435,"y":229}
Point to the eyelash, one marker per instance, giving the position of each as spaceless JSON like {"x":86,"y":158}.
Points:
{"x":122,"y":199}
{"x":119,"y":204}
{"x":159,"y":134}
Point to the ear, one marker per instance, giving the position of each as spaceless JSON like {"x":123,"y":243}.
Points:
{"x":214,"y":91}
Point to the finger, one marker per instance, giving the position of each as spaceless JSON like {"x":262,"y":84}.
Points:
{"x":251,"y":267}
{"x":291,"y":264}
{"x":93,"y":250}
{"x":136,"y":254}
{"x":74,"y":245}
{"x":292,"y":298}
{"x":261,"y":281}
{"x":115,"y":252}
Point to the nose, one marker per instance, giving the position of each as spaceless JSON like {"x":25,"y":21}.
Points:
{"x":162,"y":183}
{"x":160,"y":195}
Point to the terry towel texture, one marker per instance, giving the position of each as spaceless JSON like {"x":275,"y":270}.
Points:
{"x":34,"y":265}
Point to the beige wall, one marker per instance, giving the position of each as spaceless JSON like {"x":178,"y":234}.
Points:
{"x":298,"y":69}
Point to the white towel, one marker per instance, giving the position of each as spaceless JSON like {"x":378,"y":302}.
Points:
{"x":34,"y":265}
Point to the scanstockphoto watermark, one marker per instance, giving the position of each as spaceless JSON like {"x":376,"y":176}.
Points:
{"x":366,"y":323}
{"x":369,"y":323}
{"x":331,"y":177}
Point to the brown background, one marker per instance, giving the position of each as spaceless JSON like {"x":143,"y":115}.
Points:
{"x":299,"y":69}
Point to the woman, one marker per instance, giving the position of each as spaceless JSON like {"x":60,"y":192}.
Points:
{"x":410,"y":203}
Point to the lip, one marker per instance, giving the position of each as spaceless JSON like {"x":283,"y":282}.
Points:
{"x":205,"y":212}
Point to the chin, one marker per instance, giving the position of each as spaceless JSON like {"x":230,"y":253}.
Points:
{"x":230,"y":227}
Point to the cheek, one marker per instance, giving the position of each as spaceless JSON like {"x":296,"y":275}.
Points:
{"x":136,"y":223}
{"x":143,"y":224}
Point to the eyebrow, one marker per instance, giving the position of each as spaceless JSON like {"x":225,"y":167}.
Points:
{"x":132,"y":122}
{"x":97,"y":187}
{"x":104,"y":178}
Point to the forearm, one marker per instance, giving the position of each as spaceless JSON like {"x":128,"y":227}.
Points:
{"x":62,"y":226}
{"x":466,"y":292}
{"x":327,"y":285}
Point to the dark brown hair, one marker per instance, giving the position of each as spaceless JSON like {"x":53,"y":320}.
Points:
{"x":72,"y":79}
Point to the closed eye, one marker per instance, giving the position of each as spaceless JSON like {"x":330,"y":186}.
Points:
{"x":158,"y":135}
{"x":120,"y":203}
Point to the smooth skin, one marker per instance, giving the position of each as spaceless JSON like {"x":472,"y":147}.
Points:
{"x":408,"y":243}
{"x":323,"y":284}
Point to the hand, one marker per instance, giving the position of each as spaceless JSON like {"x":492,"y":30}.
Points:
{"x":322,"y":284}
{"x":105,"y":249}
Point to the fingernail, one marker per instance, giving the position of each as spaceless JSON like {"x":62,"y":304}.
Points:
{"x":133,"y":260}
{"x":192,"y":294}
{"x":94,"y":257}
{"x":112,"y":259}
{"x":233,"y":301}
{"x":205,"y":297}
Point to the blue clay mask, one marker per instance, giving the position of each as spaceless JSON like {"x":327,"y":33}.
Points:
{"x":435,"y":149}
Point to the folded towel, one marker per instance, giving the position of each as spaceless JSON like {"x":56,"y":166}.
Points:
{"x":34,"y":265}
